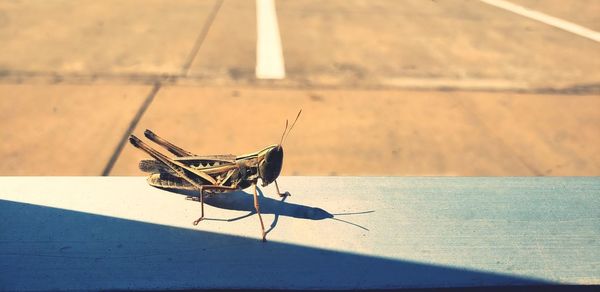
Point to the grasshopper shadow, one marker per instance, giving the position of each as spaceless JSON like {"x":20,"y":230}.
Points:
{"x":243,"y":201}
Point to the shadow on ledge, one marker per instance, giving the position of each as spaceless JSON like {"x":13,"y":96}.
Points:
{"x":243,"y":201}
{"x":43,"y":248}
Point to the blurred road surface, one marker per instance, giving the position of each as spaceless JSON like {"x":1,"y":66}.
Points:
{"x":409,"y":87}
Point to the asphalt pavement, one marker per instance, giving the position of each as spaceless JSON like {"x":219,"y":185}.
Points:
{"x":386,"y":87}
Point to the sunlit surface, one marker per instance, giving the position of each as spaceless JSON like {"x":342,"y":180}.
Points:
{"x":400,"y":232}
{"x":387,"y":87}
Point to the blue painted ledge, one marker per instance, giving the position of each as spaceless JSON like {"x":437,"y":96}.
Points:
{"x":103,"y":233}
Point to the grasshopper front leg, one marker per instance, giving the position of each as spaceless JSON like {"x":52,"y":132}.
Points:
{"x":257,"y":207}
{"x":283,"y":195}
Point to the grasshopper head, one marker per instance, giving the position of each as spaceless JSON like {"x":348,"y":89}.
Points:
{"x":270,"y":163}
{"x":270,"y":159}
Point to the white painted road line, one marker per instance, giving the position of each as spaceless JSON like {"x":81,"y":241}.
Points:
{"x":269,"y":55}
{"x":547,"y":19}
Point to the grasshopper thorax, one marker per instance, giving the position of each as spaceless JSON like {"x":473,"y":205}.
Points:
{"x":270,"y":163}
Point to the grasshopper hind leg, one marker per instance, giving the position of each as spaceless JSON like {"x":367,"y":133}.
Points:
{"x":166,"y":144}
{"x":201,"y":207}
{"x":207,"y":190}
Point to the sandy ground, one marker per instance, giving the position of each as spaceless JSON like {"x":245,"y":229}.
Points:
{"x":386,"y":87}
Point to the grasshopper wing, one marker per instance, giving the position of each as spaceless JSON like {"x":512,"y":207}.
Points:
{"x":154,"y":166}
{"x":213,"y":165}
{"x":170,"y":181}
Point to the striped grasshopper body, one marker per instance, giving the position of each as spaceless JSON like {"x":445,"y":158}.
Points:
{"x":210,"y":174}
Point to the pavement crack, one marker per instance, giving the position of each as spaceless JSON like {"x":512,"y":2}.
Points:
{"x":113,"y":159}
{"x":200,"y":39}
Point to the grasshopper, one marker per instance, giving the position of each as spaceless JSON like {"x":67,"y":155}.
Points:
{"x":212,"y":174}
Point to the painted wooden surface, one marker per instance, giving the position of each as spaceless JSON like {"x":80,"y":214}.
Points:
{"x":92,"y":233}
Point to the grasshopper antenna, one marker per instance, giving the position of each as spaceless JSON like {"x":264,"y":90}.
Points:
{"x":284,"y":136}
